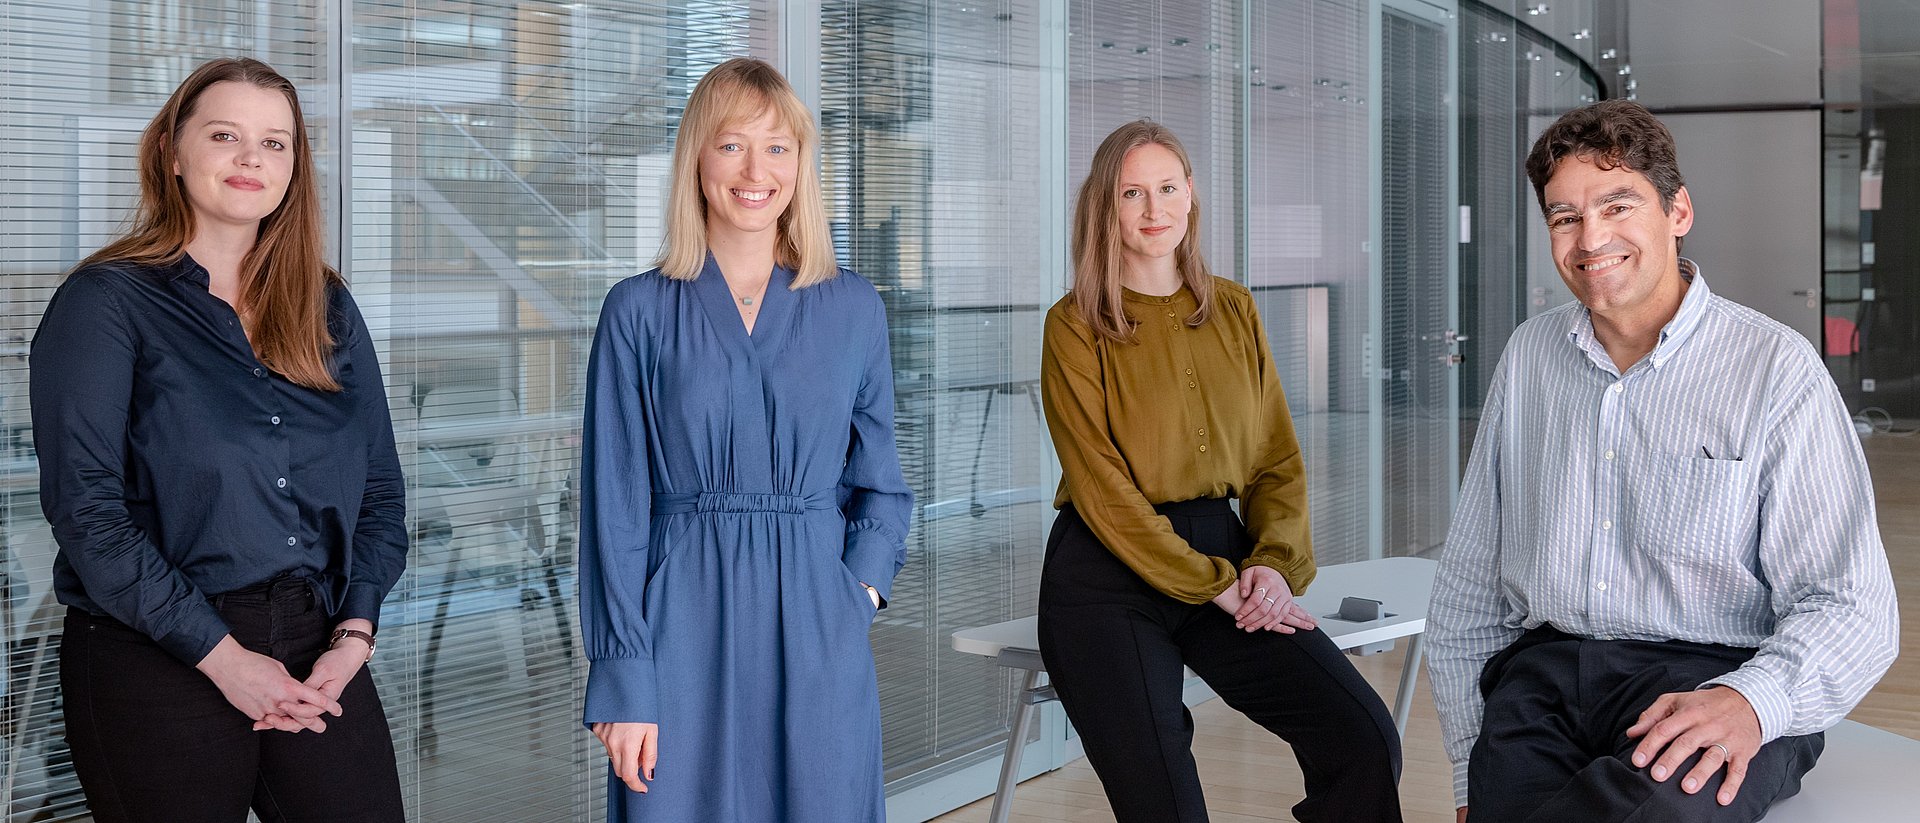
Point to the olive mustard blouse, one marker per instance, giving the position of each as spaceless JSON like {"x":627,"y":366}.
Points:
{"x":1182,"y":413}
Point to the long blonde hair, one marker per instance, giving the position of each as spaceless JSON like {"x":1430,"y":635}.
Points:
{"x":1096,"y":236}
{"x":284,"y":277}
{"x":737,"y":91}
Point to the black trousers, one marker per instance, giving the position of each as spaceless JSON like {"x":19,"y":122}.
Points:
{"x":1114,"y":647}
{"x":154,"y":740}
{"x":1553,"y":746}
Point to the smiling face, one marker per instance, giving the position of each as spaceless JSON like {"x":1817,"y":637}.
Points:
{"x":234,"y":153}
{"x":748,"y":172}
{"x":1152,"y":199}
{"x":1613,"y":244}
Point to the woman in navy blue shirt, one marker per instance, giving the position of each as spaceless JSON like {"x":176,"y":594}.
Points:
{"x":219,"y":470}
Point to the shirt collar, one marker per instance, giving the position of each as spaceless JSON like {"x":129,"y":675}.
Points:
{"x":1182,"y":298}
{"x":1693,"y":306}
{"x":186,"y":268}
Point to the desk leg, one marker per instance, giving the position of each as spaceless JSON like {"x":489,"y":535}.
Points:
{"x":1016,"y":746}
{"x":1409,"y":678}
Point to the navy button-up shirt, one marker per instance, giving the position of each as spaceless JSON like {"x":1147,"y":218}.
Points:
{"x":175,"y":465}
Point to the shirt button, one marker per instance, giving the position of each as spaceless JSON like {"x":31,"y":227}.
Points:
{"x":259,"y":372}
{"x":282,"y":482}
{"x":1609,"y":454}
{"x":1203,"y":432}
{"x":1602,"y":585}
{"x":292,"y":541}
{"x":1192,"y":385}
{"x":1189,"y":371}
{"x":1617,"y":388}
{"x":1203,"y":448}
{"x":1606,"y":524}
{"x":275,"y":419}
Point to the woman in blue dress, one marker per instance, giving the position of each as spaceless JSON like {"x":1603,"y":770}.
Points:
{"x":743,"y":508}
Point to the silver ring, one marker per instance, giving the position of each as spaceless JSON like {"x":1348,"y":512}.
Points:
{"x":1268,"y":599}
{"x":1724,"y":753}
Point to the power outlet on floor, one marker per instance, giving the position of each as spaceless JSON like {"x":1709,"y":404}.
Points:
{"x":1867,"y":384}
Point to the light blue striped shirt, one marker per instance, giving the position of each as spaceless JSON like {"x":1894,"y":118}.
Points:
{"x":1715,"y":492}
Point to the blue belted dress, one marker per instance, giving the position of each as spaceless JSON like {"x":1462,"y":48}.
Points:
{"x":736,"y":490}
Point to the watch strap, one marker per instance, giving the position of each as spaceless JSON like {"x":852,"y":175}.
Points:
{"x":342,"y":634}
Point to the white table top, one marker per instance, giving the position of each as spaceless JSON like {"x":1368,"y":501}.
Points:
{"x":1864,"y":776}
{"x":1402,"y":584}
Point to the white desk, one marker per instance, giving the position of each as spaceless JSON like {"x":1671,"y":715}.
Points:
{"x":1403,"y":585}
{"x":1865,"y":775}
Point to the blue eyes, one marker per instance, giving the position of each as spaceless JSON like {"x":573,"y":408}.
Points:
{"x":733,"y":147}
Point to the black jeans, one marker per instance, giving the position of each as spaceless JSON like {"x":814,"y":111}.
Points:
{"x":154,"y":740}
{"x":1553,"y":746}
{"x":1114,"y":647}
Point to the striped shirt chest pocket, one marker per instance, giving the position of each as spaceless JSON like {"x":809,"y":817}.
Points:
{"x":1692,"y":509}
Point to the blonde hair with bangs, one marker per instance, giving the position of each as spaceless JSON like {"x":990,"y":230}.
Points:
{"x":737,"y":91}
{"x":1097,"y":265}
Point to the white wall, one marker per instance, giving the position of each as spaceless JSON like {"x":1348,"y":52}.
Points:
{"x":1724,"y":75}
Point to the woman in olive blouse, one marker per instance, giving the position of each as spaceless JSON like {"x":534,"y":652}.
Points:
{"x":1164,"y":405}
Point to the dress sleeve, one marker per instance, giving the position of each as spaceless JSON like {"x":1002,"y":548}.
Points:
{"x":1097,"y":478}
{"x":873,"y":490}
{"x":82,"y":363}
{"x":380,"y":533}
{"x":1275,"y":500}
{"x":616,"y":498}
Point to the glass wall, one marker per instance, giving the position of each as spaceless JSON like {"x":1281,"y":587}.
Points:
{"x":1871,"y":127}
{"x":1514,"y":81}
{"x":492,"y":167}
{"x":939,"y":161}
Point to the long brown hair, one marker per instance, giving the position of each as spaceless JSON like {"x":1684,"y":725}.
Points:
{"x":740,"y":90}
{"x":1096,"y":236}
{"x":284,"y":277}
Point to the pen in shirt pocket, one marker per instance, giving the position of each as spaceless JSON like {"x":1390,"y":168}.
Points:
{"x":1709,"y":455}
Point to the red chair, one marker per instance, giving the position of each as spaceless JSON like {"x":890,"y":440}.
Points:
{"x":1842,"y":337}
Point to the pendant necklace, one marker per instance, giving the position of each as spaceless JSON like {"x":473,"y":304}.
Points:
{"x":748,"y":299}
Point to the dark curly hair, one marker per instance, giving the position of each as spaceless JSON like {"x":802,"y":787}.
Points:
{"x":1613,"y":133}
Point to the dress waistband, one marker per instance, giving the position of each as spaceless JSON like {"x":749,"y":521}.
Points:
{"x":684,"y":502}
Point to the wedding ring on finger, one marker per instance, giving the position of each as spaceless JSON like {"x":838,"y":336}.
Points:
{"x":1724,"y":753}
{"x":1269,"y":600}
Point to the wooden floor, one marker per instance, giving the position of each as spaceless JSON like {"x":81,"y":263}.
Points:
{"x":1250,"y":776}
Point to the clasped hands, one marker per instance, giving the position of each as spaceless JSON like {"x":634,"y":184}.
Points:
{"x":1261,"y":599}
{"x":260,"y":687}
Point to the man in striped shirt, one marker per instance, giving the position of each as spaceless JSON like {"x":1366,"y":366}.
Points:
{"x":1664,"y":579}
